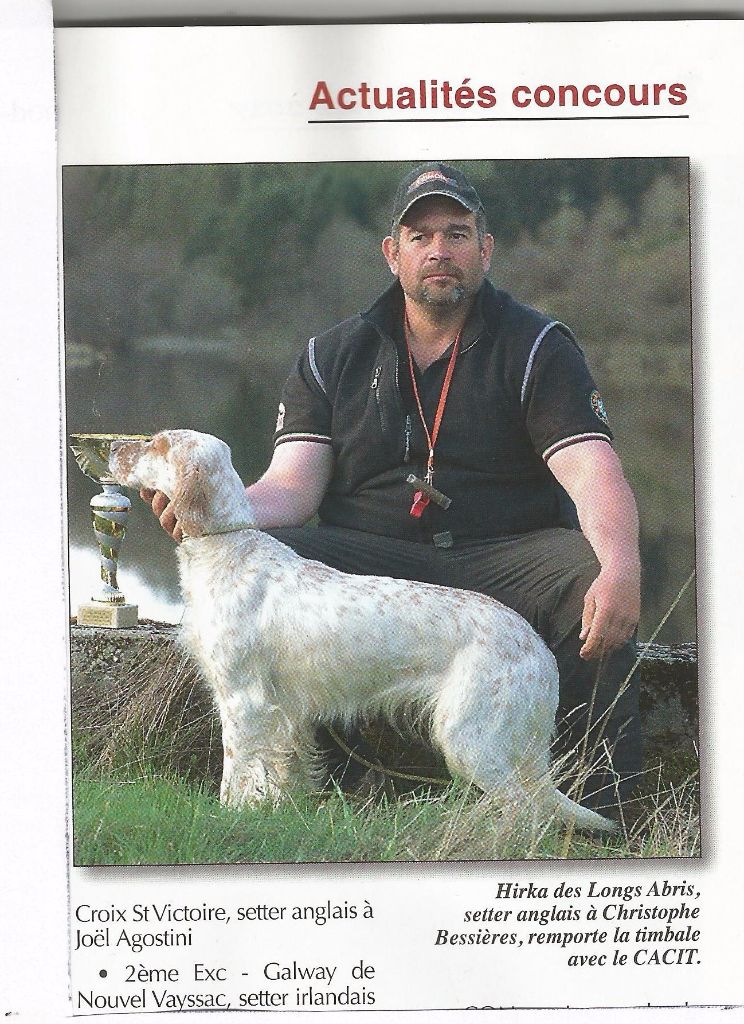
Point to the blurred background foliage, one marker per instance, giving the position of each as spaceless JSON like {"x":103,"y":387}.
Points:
{"x":190,"y":290}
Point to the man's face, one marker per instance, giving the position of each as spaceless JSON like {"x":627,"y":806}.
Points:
{"x":439,"y":259}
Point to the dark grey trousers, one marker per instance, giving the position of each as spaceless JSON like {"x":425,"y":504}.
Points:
{"x":544,"y":576}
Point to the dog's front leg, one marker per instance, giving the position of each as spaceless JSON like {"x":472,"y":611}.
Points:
{"x":256,"y":739}
{"x":247,"y":782}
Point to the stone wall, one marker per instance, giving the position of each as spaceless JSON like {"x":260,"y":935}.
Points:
{"x":113,"y":668}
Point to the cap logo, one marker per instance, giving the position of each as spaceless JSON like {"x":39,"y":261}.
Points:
{"x":431,"y":176}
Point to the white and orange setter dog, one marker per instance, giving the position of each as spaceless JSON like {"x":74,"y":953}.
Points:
{"x":286,"y":643}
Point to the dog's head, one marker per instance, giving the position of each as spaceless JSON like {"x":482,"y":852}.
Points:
{"x":194,"y":470}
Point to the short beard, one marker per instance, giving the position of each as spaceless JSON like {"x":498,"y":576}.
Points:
{"x":437,"y":299}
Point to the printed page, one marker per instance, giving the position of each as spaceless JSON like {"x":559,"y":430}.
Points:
{"x":294,"y":791}
{"x":34,"y":936}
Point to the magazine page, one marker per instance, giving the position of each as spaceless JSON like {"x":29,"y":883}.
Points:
{"x":34,"y":644}
{"x":420,"y":717}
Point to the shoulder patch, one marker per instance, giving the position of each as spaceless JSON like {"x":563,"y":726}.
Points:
{"x":598,"y":407}
{"x":280,"y":418}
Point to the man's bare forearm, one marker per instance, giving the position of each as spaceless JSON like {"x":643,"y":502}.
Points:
{"x":292,"y":488}
{"x":592,"y":475}
{"x":610,"y":524}
{"x":275,"y":505}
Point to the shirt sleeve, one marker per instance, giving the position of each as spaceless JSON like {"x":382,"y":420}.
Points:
{"x":561,"y":403}
{"x":304,"y":409}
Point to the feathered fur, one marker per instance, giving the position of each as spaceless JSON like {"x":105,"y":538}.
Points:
{"x":286,"y":643}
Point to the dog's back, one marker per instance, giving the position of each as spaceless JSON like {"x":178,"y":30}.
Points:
{"x":286,"y":643}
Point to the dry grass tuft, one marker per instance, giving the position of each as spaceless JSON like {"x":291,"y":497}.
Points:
{"x":161,"y":720}
{"x":160,"y":723}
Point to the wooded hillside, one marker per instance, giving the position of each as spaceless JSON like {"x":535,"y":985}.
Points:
{"x":251,"y":260}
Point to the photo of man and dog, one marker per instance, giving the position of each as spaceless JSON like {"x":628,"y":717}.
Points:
{"x":409,"y":451}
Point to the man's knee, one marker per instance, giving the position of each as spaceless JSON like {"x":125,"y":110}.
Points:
{"x":358,"y":553}
{"x":575,"y":571}
{"x":302,"y":539}
{"x":570,"y":604}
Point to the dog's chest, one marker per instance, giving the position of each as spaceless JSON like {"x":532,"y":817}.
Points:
{"x":220,"y":623}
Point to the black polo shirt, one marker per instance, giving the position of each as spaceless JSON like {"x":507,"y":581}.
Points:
{"x":521,"y":390}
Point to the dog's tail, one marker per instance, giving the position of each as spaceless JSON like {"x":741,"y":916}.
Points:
{"x":568,"y":811}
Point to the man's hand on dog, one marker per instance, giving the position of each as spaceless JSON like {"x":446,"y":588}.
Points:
{"x":161,"y":506}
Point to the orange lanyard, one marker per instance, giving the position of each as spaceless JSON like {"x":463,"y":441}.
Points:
{"x":420,"y":499}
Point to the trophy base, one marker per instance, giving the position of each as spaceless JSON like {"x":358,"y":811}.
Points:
{"x":111,"y":616}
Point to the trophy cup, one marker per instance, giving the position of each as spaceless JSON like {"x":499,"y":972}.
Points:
{"x":110,"y":510}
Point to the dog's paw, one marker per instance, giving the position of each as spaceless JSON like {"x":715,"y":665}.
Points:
{"x":249,"y":790}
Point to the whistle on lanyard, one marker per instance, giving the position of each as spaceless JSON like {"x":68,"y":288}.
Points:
{"x":424,"y":494}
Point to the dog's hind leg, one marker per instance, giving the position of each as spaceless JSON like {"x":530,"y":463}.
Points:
{"x":494,"y":730}
{"x":497,"y":735}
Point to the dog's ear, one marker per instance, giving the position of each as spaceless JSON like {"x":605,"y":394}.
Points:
{"x":190,"y":501}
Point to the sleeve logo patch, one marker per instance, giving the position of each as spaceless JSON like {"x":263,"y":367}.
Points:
{"x":598,"y":407}
{"x":280,"y":418}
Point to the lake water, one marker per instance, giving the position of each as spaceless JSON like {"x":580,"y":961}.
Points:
{"x":160,"y":605}
{"x":143,"y":392}
{"x":206,"y":389}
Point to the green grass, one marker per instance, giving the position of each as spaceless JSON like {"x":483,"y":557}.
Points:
{"x":148,"y":759}
{"x":169,"y":821}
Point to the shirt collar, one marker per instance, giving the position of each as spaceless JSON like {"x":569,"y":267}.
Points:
{"x":386,"y":314}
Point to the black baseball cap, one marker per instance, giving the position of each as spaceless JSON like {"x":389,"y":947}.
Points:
{"x":434,"y":179}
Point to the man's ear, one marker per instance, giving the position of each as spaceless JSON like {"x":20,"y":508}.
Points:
{"x":487,"y":252}
{"x":390,"y":252}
